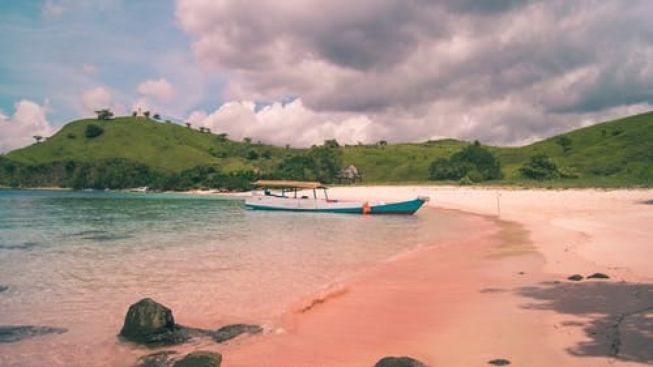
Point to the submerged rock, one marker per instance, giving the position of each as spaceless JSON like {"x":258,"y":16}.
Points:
{"x":598,"y":276}
{"x":11,"y":334}
{"x":18,"y":246}
{"x":399,"y":362}
{"x":200,"y":359}
{"x":159,"y":359}
{"x":231,"y":331}
{"x":575,"y":277}
{"x":151,"y":323}
{"x":499,"y":362}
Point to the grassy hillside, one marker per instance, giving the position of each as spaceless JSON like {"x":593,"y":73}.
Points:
{"x":611,"y":153}
{"x":164,"y":146}
{"x":615,"y":153}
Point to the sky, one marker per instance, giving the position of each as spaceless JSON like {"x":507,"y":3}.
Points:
{"x":505,"y":72}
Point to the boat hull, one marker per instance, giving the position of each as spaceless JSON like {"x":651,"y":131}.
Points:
{"x":323,"y":206}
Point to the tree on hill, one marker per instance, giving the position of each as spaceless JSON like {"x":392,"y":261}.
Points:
{"x":565,"y":143}
{"x":331,"y":143}
{"x":156,"y":116}
{"x":134,"y":113}
{"x":188,"y":125}
{"x":247,"y":140}
{"x":104,"y":114}
{"x":474,"y":162}
{"x":146,"y":114}
{"x":382,"y":143}
{"x":539,"y":167}
{"x":38,"y":138}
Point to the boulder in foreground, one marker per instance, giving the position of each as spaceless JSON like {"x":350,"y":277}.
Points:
{"x":200,"y":359}
{"x":158,"y":359}
{"x":399,"y":362}
{"x":151,"y":323}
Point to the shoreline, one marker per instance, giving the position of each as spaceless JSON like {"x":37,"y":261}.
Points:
{"x":517,"y":303}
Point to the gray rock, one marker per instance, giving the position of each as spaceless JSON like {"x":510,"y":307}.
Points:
{"x":499,"y":362}
{"x":231,"y":331}
{"x":575,"y":277}
{"x":399,"y":362}
{"x":151,"y":323}
{"x":159,"y":359}
{"x":11,"y":334}
{"x":3,"y":288}
{"x":200,"y":359}
{"x":598,"y":276}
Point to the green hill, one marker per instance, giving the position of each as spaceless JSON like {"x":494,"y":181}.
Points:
{"x":164,"y":146}
{"x":166,"y":155}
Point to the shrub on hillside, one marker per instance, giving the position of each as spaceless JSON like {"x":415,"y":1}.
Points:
{"x":252,"y":155}
{"x":541,"y":167}
{"x":473,"y":161}
{"x":93,"y":131}
{"x":322,"y":163}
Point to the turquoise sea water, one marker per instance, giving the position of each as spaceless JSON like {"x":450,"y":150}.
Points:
{"x":76,"y":260}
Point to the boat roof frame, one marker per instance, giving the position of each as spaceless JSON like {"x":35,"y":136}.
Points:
{"x":290,"y":184}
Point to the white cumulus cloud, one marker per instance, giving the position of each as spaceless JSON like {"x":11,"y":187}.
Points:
{"x":290,"y":123}
{"x":18,"y":130}
{"x":160,"y":89}
{"x":96,"y":98}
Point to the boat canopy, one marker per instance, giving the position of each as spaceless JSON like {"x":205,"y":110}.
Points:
{"x":290,"y":184}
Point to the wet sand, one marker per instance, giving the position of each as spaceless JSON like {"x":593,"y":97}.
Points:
{"x":501,"y":294}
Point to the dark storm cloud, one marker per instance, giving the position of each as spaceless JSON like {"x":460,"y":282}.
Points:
{"x":503,"y":71}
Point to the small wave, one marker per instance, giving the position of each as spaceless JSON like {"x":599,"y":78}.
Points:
{"x":19,"y":246}
{"x":106,"y":237}
{"x":91,"y":232}
{"x":322,"y":297}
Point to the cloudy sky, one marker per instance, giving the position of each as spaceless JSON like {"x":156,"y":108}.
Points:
{"x":301,"y":71}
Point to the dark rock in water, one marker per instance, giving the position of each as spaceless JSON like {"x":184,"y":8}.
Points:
{"x":576,"y":277}
{"x":598,"y":276}
{"x":151,"y":323}
{"x":3,"y":288}
{"x":399,"y":362}
{"x":159,"y":359}
{"x":11,"y":334}
{"x":231,"y":331}
{"x":499,"y":362}
{"x":200,"y":359}
{"x":18,"y":246}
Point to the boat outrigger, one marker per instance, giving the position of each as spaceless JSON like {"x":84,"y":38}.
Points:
{"x":293,"y":197}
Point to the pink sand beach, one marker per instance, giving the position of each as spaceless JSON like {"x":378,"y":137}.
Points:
{"x":502,"y":293}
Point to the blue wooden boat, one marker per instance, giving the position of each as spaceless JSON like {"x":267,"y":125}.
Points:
{"x":302,"y":196}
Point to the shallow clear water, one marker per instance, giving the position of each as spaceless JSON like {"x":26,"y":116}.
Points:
{"x":76,"y":260}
